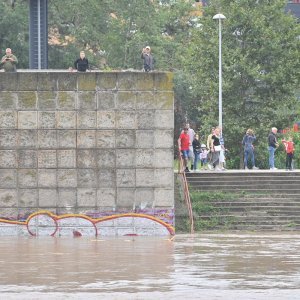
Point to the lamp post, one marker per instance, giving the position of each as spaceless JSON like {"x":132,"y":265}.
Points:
{"x":38,"y":34}
{"x":220,"y":17}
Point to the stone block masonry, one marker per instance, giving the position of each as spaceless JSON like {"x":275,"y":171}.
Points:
{"x":86,"y":153}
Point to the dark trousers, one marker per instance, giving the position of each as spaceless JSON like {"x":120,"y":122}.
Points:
{"x":288,"y":162}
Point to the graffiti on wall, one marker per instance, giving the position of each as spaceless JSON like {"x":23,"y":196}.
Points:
{"x":46,"y":223}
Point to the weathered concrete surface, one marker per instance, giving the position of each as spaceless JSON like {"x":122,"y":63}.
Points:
{"x":93,"y":144}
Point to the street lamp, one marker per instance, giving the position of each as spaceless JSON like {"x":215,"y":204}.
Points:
{"x":220,"y":17}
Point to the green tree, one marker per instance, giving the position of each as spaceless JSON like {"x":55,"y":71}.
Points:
{"x":14,"y":26}
{"x":260,"y":46}
{"x":74,"y":26}
{"x":111,"y":31}
{"x":117,"y":31}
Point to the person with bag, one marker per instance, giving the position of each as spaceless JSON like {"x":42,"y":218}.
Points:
{"x":216,"y":148}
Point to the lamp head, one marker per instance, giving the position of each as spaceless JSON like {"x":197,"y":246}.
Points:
{"x":219,"y":17}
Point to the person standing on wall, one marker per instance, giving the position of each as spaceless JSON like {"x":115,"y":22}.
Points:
{"x":9,"y":61}
{"x":81,"y":64}
{"x":273,"y":144}
{"x":148,"y":59}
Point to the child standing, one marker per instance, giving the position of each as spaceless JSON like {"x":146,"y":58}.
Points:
{"x":203,"y":156}
{"x":289,"y":149}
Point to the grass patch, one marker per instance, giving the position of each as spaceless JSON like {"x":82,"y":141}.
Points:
{"x":197,"y":196}
{"x":209,"y":216}
{"x":291,"y":225}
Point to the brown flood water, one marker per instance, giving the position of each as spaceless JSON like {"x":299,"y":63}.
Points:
{"x":204,"y":266}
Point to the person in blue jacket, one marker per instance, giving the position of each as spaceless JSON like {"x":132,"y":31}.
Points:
{"x":248,"y":140}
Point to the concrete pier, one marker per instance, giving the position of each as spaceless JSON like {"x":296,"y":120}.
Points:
{"x":90,"y":153}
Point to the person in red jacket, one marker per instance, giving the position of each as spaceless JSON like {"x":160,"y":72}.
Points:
{"x":289,"y":149}
{"x":184,"y":146}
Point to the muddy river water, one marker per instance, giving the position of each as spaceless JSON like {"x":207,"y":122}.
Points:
{"x":203,"y":266}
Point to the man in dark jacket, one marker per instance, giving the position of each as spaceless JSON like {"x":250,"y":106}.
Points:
{"x":82,"y":63}
{"x":273,"y":144}
{"x":148,"y":59}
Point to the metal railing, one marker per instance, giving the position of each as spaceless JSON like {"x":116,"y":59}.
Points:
{"x":186,"y":193}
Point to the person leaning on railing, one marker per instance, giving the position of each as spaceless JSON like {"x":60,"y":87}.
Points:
{"x":81,"y":64}
{"x":9,"y":61}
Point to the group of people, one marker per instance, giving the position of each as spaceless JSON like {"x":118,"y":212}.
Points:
{"x":273,"y":144}
{"x":289,"y":147}
{"x":9,"y":61}
{"x":82,"y":63}
{"x":212,"y":155}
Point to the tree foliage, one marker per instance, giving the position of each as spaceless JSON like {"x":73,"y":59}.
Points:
{"x":14,"y":26}
{"x":260,"y":47}
{"x":114,"y":32}
{"x":260,"y":54}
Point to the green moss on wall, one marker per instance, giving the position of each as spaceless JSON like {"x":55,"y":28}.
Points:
{"x":27,"y":100}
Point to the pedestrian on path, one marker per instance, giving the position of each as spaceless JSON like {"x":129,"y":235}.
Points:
{"x":184,"y":146}
{"x":273,"y":145}
{"x":289,"y":149}
{"x":191,"y":134}
{"x":216,"y":149}
{"x":222,"y":159}
{"x":197,"y":151}
{"x":203,"y":156}
{"x":210,"y":149}
{"x":247,"y":142}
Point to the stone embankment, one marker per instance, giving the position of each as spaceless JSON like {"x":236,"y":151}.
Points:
{"x":86,"y":152}
{"x":252,"y":200}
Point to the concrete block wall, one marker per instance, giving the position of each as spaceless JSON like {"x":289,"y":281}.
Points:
{"x":94,"y":146}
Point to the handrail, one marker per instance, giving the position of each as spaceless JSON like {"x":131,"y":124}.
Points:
{"x":181,"y":171}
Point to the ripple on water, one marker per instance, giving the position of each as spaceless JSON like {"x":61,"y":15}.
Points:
{"x":235,"y":266}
